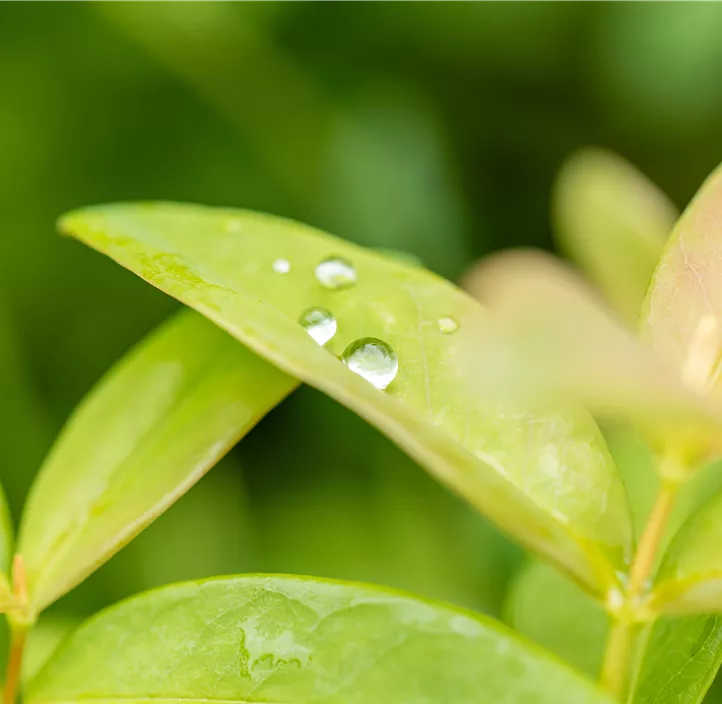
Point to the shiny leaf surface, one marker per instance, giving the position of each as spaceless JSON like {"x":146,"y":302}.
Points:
{"x":286,"y":640}
{"x":546,"y":478}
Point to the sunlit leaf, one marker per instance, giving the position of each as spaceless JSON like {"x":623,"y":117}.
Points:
{"x":6,"y":551}
{"x":545,"y":478}
{"x":612,"y":221}
{"x":152,"y":427}
{"x":686,"y":290}
{"x":563,"y":341}
{"x":286,"y":640}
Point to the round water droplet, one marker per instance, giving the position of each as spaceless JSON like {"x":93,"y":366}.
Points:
{"x":373,"y":359}
{"x":319,"y":323}
{"x":282,"y":266}
{"x":336,"y":273}
{"x":447,"y":325}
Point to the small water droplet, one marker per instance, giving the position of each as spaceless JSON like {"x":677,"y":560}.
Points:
{"x":282,"y":266}
{"x":336,"y":273}
{"x":319,"y":323}
{"x":447,"y":325}
{"x":373,"y":359}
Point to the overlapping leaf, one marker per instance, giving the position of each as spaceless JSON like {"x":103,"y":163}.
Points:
{"x":143,"y":436}
{"x":287,"y":640}
{"x":546,"y":478}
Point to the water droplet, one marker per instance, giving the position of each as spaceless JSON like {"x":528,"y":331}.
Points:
{"x":447,"y":325}
{"x":282,"y":266}
{"x":319,"y":323}
{"x":373,"y":359}
{"x":336,"y":273}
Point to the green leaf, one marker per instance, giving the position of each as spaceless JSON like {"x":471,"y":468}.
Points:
{"x":613,"y":222}
{"x":545,"y":478}
{"x":286,"y":639}
{"x":152,"y":427}
{"x":685,"y":288}
{"x":6,"y":552}
{"x":681,"y":659}
{"x":690,"y":578}
{"x":554,"y":612}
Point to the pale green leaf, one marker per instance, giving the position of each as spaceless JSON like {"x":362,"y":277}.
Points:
{"x":151,"y":428}
{"x":545,"y":478}
{"x":6,"y":552}
{"x":613,"y":222}
{"x":286,"y":640}
{"x":687,"y":286}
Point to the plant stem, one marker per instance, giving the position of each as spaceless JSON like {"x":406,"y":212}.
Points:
{"x":20,"y":625}
{"x":15,"y":662}
{"x":615,"y":668}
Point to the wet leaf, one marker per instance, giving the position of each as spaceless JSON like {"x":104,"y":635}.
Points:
{"x":546,"y":478}
{"x":147,"y":432}
{"x":284,"y":639}
{"x":613,"y":222}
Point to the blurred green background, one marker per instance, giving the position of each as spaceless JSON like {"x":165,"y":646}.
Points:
{"x":433,"y":128}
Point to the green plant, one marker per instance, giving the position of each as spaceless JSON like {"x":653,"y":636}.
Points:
{"x":391,"y":341}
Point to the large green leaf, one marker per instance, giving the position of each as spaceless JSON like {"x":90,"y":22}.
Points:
{"x":287,"y":639}
{"x":686,"y":290}
{"x":144,"y":435}
{"x":546,"y":478}
{"x":613,"y":222}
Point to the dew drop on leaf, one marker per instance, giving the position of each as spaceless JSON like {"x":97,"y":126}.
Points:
{"x":335,"y":273}
{"x":447,"y":325}
{"x":319,"y":323}
{"x":373,"y":359}
{"x":282,"y":266}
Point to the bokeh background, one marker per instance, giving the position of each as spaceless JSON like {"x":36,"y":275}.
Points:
{"x":432,"y":128}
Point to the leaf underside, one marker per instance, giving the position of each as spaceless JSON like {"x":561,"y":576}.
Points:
{"x":546,"y":478}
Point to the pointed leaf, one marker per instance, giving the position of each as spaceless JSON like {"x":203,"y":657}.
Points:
{"x":547,"y":479}
{"x":287,"y":640}
{"x":613,"y":222}
{"x":681,"y":659}
{"x":687,"y":285}
{"x":148,"y":431}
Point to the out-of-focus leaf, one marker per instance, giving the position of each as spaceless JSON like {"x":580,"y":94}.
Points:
{"x":152,"y":427}
{"x":554,"y":612}
{"x":612,"y":221}
{"x":6,"y":551}
{"x":681,"y":659}
{"x":685,"y":296}
{"x":564,"y":342}
{"x":690,"y":579}
{"x":545,"y":478}
{"x":285,"y":639}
